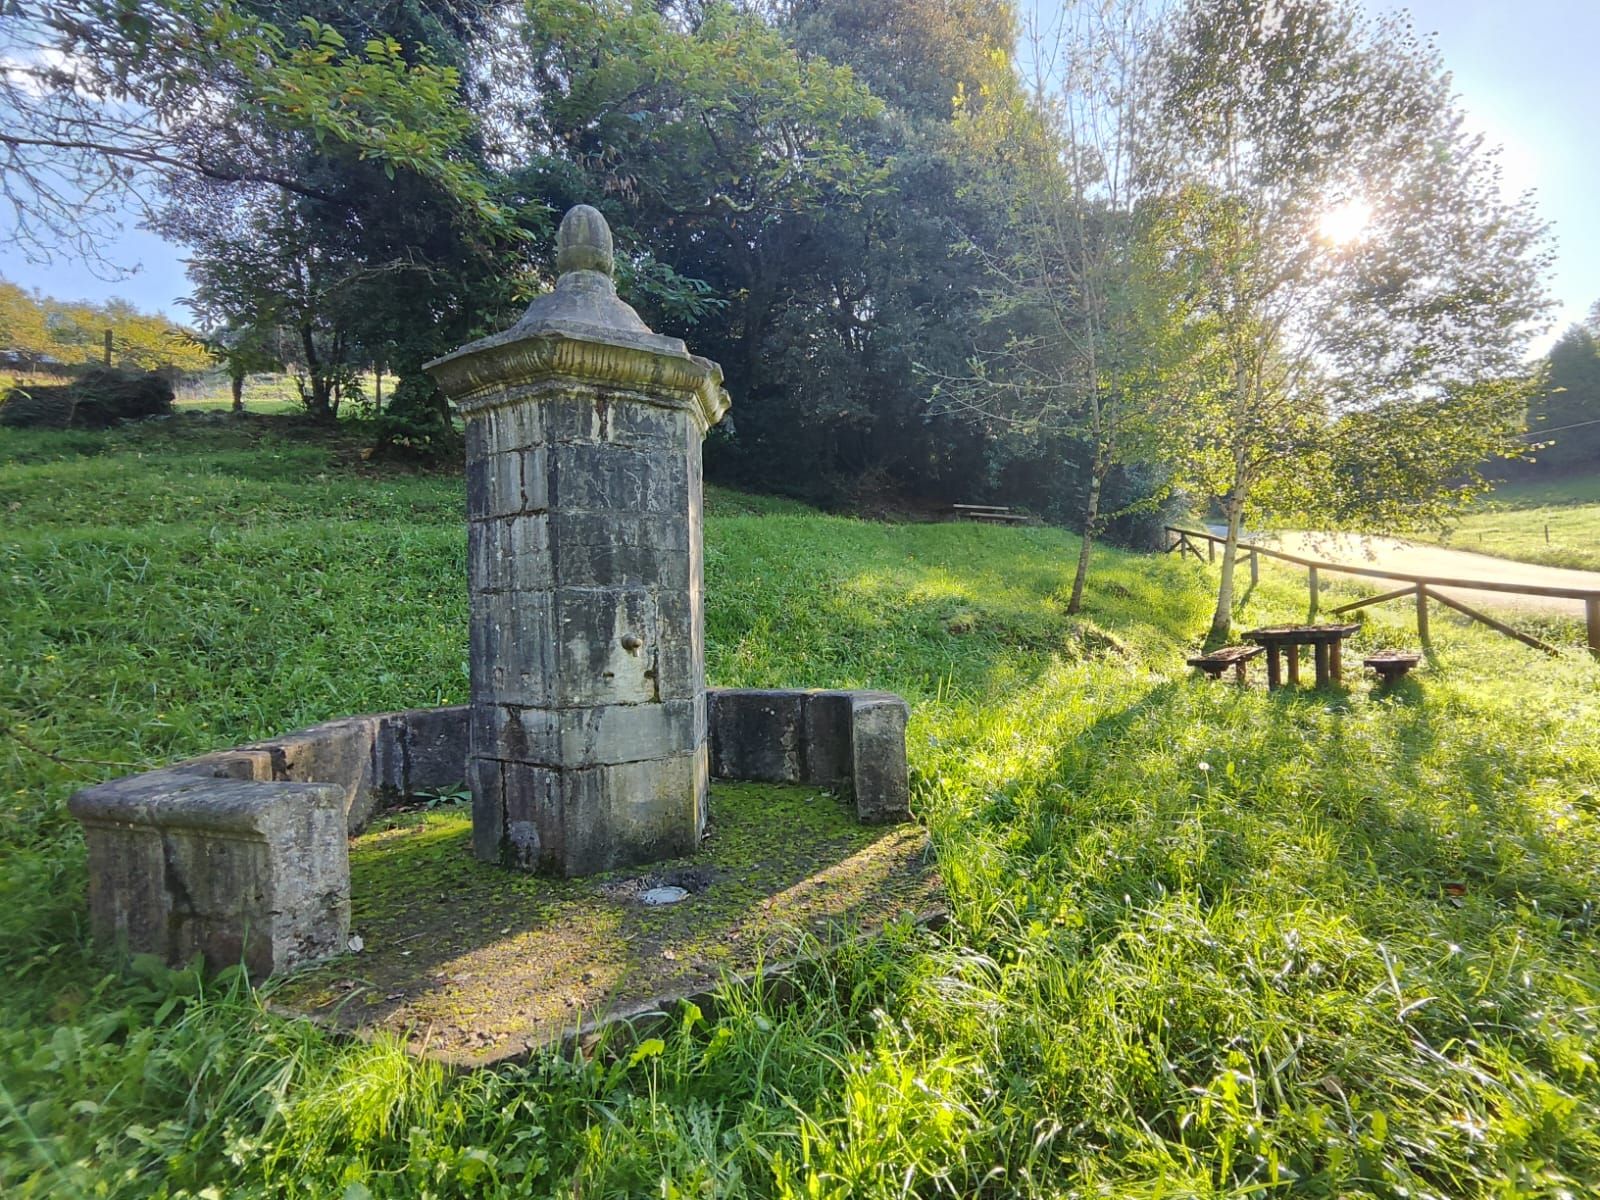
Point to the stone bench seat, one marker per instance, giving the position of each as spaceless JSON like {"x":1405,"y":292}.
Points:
{"x":1219,"y":660}
{"x":1392,"y":665}
{"x":243,"y":855}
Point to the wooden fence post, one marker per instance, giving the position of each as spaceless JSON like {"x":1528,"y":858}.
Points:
{"x":1211,"y":550}
{"x":1312,"y":571}
{"x":1255,"y":568}
{"x":1422,"y":615}
{"x":1591,"y":612}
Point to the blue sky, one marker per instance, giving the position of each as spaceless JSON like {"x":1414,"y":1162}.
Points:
{"x":1526,"y":74}
{"x":1524,"y":70}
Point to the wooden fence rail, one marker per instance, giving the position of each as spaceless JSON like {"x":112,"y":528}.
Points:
{"x":1422,"y":588}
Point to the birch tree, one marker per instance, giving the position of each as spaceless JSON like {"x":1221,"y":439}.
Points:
{"x":1087,"y":301}
{"x":1369,"y":288}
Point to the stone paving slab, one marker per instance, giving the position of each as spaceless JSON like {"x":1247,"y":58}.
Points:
{"x":472,"y":964}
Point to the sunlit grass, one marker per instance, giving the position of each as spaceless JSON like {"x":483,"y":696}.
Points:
{"x":1555,"y":522}
{"x":1204,"y":941}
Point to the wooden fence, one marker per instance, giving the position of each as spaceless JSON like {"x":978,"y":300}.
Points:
{"x":1421,"y":588}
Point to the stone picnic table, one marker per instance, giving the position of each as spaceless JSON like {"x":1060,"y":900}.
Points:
{"x":1325,"y":641}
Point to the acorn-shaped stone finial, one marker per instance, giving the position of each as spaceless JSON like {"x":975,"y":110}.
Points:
{"x":583,"y":243}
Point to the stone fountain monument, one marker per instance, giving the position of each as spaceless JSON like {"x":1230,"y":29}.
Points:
{"x":590,"y":735}
{"x":588,"y":744}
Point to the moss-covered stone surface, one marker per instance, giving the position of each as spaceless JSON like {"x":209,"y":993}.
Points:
{"x":472,"y":963}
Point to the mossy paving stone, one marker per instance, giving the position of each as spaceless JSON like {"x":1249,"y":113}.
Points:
{"x":473,"y":964}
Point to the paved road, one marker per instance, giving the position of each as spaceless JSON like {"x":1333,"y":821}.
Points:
{"x":1419,"y":558}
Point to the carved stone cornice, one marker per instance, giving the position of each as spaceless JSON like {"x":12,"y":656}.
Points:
{"x":584,"y":332}
{"x":490,"y":372}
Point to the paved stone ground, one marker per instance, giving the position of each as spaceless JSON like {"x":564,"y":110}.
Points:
{"x":473,"y":964}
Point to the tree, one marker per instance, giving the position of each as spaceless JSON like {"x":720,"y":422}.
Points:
{"x":39,"y":327}
{"x":23,"y":329}
{"x":1370,"y":291}
{"x":1565,"y":414}
{"x":242,"y":350}
{"x":361,"y":260}
{"x":736,"y":162}
{"x":891,"y":292}
{"x":1085,"y":309}
{"x":101,"y":102}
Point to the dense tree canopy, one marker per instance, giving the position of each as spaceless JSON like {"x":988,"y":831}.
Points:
{"x":1263,"y":221}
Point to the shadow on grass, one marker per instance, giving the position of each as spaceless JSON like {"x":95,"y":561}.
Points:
{"x":1362,"y":782}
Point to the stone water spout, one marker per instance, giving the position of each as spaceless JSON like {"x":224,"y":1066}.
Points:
{"x":589,"y":745}
{"x":590,"y":735}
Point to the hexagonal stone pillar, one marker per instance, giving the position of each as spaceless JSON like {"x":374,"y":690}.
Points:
{"x":588,"y":743}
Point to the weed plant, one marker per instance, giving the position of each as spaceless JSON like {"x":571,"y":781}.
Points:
{"x":1205,"y":942}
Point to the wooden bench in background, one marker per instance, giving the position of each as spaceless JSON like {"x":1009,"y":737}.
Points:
{"x":987,"y":512}
{"x":1219,"y":660}
{"x":1392,"y":665}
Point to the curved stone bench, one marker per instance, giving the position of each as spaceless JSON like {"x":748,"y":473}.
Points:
{"x":243,"y":855}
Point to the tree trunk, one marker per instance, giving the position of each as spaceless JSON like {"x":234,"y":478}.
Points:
{"x":377,"y":386}
{"x":236,"y":382}
{"x":319,"y":405}
{"x":1222,"y":619}
{"x":1091,"y":520}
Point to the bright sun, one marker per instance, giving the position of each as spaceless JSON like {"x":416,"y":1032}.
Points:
{"x":1345,"y":222}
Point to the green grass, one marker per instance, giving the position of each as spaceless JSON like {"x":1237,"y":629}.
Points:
{"x":272,"y":392}
{"x":1204,"y":943}
{"x":1554,"y":521}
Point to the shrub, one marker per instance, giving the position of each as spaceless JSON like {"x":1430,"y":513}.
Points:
{"x":97,"y":399}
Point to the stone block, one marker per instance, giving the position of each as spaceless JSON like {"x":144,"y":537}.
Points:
{"x":506,"y":483}
{"x":508,"y":554}
{"x":825,"y":740}
{"x":625,"y":814}
{"x":607,"y":647}
{"x":587,"y":736}
{"x":656,"y":530}
{"x":680,"y":666}
{"x":337,"y":752}
{"x":506,"y":426}
{"x":615,"y":564}
{"x":533,"y":833}
{"x":486,"y":777}
{"x":614,"y":479}
{"x":633,"y":550}
{"x":435,"y":745}
{"x":571,"y":822}
{"x":758,"y":734}
{"x":229,"y":764}
{"x":851,"y":742}
{"x":513,"y":652}
{"x":617,"y":418}
{"x":233,"y":870}
{"x":880,"y":778}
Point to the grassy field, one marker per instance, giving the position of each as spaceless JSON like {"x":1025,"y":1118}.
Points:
{"x":1555,"y":522}
{"x":1205,"y":942}
{"x":269,"y":392}
{"x":263,"y":393}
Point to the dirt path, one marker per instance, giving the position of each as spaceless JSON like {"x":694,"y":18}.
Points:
{"x":1419,"y":558}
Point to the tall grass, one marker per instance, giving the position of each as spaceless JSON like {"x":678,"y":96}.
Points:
{"x":1554,"y":521}
{"x":1204,"y":941}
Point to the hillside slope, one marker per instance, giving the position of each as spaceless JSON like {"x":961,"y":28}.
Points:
{"x":1205,"y":941}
